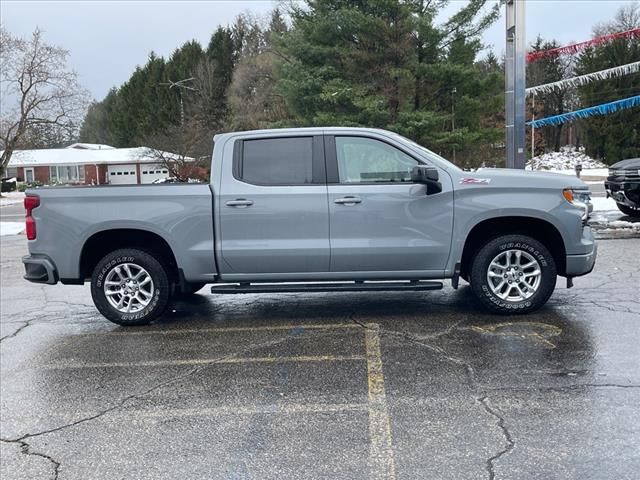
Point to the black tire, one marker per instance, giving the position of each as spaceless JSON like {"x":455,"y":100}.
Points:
{"x":190,"y":288}
{"x":480,"y":267}
{"x":159,"y":295}
{"x":627,"y":210}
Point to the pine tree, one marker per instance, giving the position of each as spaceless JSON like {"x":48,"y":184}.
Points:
{"x":615,"y":136}
{"x":387,"y":64}
{"x":557,"y":102}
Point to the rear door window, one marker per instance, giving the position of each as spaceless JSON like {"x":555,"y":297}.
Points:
{"x":277,"y":161}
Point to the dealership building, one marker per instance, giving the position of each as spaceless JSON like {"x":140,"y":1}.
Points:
{"x":87,"y":164}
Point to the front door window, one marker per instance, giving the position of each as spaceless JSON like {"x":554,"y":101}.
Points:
{"x":28,"y":175}
{"x":365,"y":160}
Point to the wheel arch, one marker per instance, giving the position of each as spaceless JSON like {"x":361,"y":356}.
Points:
{"x":539,"y":229}
{"x":101,"y":243}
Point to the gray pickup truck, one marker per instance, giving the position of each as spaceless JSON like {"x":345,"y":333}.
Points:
{"x":314,"y":209}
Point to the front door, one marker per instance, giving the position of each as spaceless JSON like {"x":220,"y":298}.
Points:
{"x":273,"y":208}
{"x":28,"y":175}
{"x":379,"y":220}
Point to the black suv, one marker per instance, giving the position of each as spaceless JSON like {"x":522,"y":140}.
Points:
{"x":623,"y":185}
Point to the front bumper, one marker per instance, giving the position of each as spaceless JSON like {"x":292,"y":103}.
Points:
{"x":40,"y":269}
{"x":582,"y":264}
{"x":625,"y":192}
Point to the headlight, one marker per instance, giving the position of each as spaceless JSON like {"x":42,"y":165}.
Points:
{"x":580,"y":199}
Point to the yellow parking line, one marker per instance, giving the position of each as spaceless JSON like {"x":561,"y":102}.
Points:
{"x":382,"y":463}
{"x":203,"y":361}
{"x":326,"y":326}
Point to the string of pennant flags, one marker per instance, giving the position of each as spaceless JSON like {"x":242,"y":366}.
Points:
{"x":597,"y":110}
{"x":585,"y":79}
{"x":577,"y":47}
{"x":604,"y":109}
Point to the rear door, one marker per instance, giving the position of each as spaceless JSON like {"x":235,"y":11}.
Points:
{"x":379,"y":220}
{"x":273,"y":207}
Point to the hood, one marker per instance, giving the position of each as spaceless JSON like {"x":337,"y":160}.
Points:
{"x":524,"y":178}
{"x":628,"y":164}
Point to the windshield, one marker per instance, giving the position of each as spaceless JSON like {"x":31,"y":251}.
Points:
{"x":426,"y":152}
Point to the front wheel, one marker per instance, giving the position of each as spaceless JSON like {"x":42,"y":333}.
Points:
{"x":627,"y":210}
{"x":513,"y":274}
{"x":130,"y":287}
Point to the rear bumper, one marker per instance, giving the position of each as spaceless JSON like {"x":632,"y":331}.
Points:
{"x":582,"y":264}
{"x":40,"y":269}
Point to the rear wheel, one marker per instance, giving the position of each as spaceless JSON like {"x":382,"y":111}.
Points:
{"x":130,"y":287}
{"x":513,"y":274}
{"x":627,"y":210}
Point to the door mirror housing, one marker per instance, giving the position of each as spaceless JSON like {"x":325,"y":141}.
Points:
{"x":427,"y":176}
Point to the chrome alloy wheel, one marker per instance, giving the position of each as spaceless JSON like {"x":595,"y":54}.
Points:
{"x":514,"y":275}
{"x":128,"y":288}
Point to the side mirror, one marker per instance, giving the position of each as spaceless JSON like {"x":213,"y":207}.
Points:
{"x":427,"y":176}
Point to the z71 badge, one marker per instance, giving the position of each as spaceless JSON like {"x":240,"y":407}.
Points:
{"x":474,"y":181}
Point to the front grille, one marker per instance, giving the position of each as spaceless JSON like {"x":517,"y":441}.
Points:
{"x":625,"y":174}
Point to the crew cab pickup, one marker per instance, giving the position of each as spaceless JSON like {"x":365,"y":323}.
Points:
{"x":623,"y":185}
{"x":314,"y":209}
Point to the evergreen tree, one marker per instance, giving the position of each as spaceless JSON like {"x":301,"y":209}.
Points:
{"x":98,"y":123}
{"x":615,"y":136}
{"x":557,"y":102}
{"x":387,"y":64}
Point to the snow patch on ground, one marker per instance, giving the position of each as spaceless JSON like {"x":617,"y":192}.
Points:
{"x":609,"y":222}
{"x":601,"y":204}
{"x":565,"y":160}
{"x":11,"y":198}
{"x":586,"y":172}
{"x":11,"y":228}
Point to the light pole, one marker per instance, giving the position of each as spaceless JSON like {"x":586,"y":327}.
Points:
{"x":515,"y":84}
{"x":180,"y":85}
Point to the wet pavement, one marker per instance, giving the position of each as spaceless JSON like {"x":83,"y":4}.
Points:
{"x":341,"y":385}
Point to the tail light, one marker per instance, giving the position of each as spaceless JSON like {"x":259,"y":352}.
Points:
{"x":31,"y":202}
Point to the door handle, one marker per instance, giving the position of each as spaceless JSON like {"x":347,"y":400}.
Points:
{"x":240,"y":202}
{"x":348,"y":200}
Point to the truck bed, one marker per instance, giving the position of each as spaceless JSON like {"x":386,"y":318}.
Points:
{"x":181,"y":214}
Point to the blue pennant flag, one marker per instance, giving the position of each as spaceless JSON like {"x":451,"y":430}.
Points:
{"x":604,"y":109}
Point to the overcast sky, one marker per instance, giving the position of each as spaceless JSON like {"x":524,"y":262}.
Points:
{"x":107,"y":39}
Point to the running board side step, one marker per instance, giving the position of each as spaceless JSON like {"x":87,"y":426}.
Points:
{"x":415,"y":285}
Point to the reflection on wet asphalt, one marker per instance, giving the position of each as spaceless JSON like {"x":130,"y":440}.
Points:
{"x":325,"y":385}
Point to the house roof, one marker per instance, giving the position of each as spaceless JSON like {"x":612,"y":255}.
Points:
{"x":91,"y":146}
{"x":83,"y":156}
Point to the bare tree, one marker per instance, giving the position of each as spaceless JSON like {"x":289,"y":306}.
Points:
{"x":253,"y":97}
{"x":627,"y":18}
{"x":38,"y":90}
{"x":184,"y":150}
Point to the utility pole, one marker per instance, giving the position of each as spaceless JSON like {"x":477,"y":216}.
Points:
{"x":180,"y":85}
{"x":515,"y":83}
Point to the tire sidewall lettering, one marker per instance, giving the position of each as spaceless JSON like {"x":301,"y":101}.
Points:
{"x":107,"y":267}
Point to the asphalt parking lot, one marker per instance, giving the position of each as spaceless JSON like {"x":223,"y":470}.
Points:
{"x":341,"y":385}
